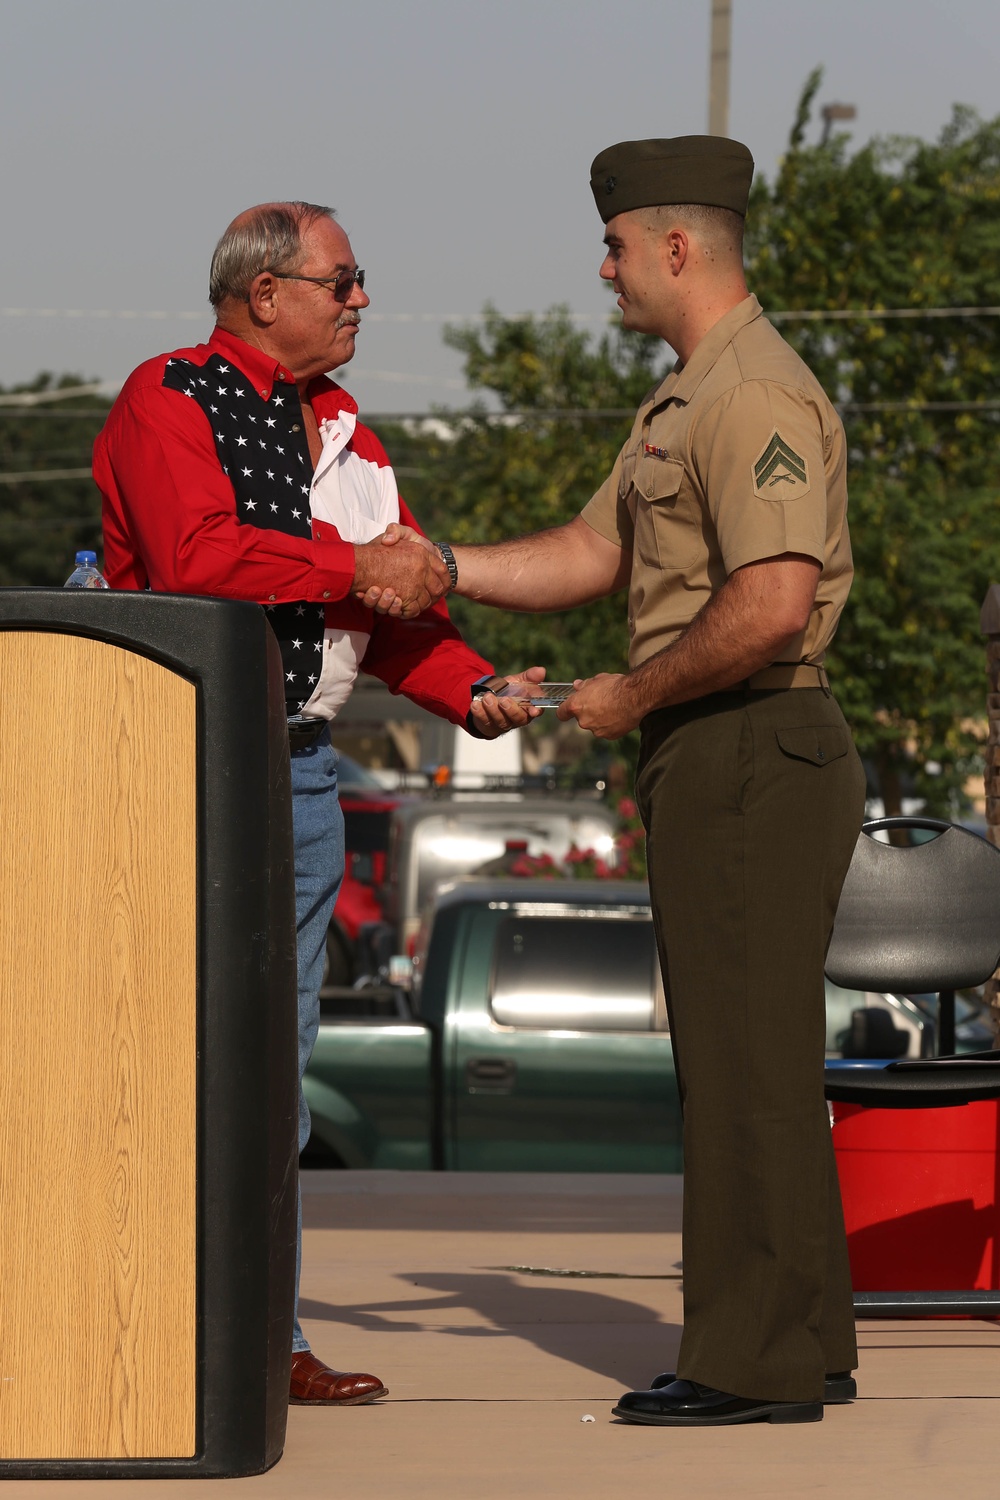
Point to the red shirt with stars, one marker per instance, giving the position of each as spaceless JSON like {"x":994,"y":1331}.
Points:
{"x":205,"y":473}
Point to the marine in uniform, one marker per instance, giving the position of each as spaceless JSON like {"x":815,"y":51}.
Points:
{"x":725,"y":516}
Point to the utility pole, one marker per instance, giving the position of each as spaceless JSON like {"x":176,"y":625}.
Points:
{"x":718,"y":72}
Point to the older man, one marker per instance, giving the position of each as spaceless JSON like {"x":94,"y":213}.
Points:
{"x":725,"y":516}
{"x":236,"y":468}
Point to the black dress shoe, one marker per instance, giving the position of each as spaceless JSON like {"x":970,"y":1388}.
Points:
{"x":838,"y":1390}
{"x":685,"y":1403}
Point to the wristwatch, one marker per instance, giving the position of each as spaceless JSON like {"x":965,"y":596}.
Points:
{"x":448,"y":558}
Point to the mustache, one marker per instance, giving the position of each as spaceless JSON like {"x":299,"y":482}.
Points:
{"x":349,"y":320}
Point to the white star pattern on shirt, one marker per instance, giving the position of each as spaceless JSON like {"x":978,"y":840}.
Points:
{"x":263,"y":505}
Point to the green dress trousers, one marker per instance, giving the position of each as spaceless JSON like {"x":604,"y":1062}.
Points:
{"x":752,"y":803}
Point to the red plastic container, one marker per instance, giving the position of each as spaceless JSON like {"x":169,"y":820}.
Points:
{"x":921,"y":1189}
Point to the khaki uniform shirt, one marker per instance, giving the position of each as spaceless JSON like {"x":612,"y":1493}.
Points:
{"x":735,"y":457}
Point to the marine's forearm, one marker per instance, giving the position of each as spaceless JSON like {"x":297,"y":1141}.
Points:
{"x":551,"y":570}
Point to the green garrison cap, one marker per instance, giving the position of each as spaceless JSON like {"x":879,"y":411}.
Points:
{"x":706,"y":169}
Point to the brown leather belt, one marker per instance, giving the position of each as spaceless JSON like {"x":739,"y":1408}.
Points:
{"x":788,"y":674}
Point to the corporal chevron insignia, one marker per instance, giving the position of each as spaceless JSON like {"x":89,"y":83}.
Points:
{"x":779,"y":473}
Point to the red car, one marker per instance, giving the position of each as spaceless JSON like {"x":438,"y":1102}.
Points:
{"x":368,"y":809}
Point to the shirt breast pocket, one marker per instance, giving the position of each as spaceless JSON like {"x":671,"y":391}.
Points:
{"x":668,"y":531}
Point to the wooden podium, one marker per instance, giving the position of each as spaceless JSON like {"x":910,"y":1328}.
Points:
{"x":148,"y":1107}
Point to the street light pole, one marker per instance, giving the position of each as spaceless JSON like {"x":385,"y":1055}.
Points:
{"x":718,"y":73}
{"x":833,"y":112}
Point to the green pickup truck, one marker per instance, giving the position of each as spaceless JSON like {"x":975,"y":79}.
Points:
{"x":535,"y":1039}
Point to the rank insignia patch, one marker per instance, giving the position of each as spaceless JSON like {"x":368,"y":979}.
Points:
{"x":779,"y":473}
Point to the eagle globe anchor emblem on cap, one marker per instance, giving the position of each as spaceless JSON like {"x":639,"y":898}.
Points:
{"x":610,"y":183}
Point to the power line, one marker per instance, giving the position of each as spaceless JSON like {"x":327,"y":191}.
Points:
{"x":85,"y":413}
{"x":784,"y":315}
{"x":39,"y":522}
{"x":61,"y":393}
{"x":575,"y":414}
{"x":44,"y":476}
{"x":859,"y":314}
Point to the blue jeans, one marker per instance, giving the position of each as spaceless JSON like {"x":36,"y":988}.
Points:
{"x":318,"y":826}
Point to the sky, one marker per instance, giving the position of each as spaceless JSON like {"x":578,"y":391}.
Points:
{"x":454,"y":140}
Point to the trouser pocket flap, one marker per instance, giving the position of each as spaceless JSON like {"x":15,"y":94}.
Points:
{"x":819,"y":745}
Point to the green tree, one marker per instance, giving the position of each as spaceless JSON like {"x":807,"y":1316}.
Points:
{"x":909,"y":225}
{"x":43,"y":522}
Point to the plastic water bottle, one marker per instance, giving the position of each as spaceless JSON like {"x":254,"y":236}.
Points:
{"x":86,"y":574}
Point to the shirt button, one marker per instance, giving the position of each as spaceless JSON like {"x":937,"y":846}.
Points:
{"x":326,"y":593}
{"x":649,"y":488}
{"x":271,"y":597}
{"x":264,"y":394}
{"x":296,"y":428}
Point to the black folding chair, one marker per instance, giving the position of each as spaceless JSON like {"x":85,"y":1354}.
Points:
{"x":913,"y":918}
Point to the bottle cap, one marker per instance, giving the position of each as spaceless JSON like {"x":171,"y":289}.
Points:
{"x":86,"y":559}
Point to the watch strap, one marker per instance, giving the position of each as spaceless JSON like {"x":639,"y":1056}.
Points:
{"x":448,"y":558}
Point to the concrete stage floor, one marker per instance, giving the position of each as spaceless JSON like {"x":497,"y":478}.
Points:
{"x":414,"y":1276}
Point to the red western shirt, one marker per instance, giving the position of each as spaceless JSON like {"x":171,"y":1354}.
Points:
{"x":206,"y":476}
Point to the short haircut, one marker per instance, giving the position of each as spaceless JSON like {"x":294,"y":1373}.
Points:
{"x":720,"y":228}
{"x":267,"y":238}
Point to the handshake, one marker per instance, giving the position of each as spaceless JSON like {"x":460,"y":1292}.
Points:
{"x":400,"y":573}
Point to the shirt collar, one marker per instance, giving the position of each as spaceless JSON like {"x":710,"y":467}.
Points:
{"x":681,"y":384}
{"x":265,"y":372}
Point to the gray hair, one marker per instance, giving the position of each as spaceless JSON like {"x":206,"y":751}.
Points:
{"x":266,"y":238}
{"x":721,"y":229}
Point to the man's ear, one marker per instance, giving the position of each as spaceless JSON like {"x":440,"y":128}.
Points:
{"x":676,"y":248}
{"x":263,"y":298}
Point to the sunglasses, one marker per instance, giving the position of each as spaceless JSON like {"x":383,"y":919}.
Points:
{"x":341,"y":285}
